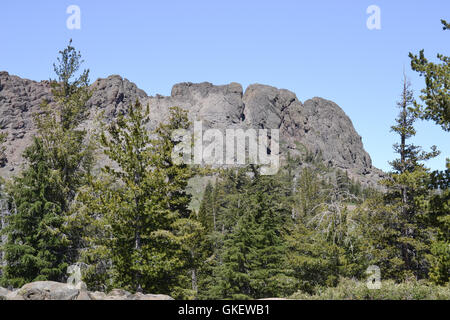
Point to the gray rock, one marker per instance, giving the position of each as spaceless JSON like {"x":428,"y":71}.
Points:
{"x":83,"y":295}
{"x":4,"y":293}
{"x":317,"y":125}
{"x":14,"y":295}
{"x":118,"y":294}
{"x":97,"y":295}
{"x":140,"y":296}
{"x":49,"y":290}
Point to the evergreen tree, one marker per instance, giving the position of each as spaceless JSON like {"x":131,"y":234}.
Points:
{"x":70,"y":153}
{"x":249,"y":263}
{"x":210,"y":216}
{"x":208,"y":210}
{"x":191,"y":235}
{"x":403,"y":244}
{"x":438,"y":217}
{"x":238,"y":260}
{"x":436,"y":95}
{"x":36,"y":247}
{"x":147,"y":230}
{"x":70,"y":148}
{"x":38,"y":244}
{"x":270,"y":206}
{"x":322,"y":243}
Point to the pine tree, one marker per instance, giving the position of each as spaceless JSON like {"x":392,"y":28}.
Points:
{"x":207,"y":213}
{"x":322,"y":245}
{"x":436,"y":95}
{"x":191,"y":234}
{"x":70,"y":148}
{"x":38,"y":245}
{"x":270,"y":206}
{"x":69,"y":151}
{"x":249,"y":261}
{"x":210,"y":216}
{"x":401,"y":249}
{"x":438,"y":217}
{"x":148,"y":234}
{"x":238,"y":260}
{"x":407,"y":184}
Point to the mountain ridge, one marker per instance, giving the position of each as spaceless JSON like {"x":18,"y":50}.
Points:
{"x":317,"y":125}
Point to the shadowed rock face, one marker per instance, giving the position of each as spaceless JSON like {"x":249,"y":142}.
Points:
{"x":317,"y":125}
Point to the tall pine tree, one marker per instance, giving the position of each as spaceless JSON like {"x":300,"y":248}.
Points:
{"x":146,"y":230}
{"x":401,"y":249}
{"x":249,"y":259}
{"x":38,"y":247}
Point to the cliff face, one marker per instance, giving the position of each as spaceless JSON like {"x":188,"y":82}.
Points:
{"x":317,"y":125}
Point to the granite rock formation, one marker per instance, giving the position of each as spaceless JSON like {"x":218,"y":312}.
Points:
{"x":317,"y":125}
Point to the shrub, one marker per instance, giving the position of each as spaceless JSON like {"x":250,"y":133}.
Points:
{"x":349,"y":289}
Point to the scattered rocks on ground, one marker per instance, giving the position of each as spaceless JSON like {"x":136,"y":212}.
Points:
{"x":49,"y":290}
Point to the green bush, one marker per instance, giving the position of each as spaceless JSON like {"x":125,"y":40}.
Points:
{"x":348,"y":289}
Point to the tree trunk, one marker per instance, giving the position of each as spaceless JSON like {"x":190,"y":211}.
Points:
{"x":194,"y":280}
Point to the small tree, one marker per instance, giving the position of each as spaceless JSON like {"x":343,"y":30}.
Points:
{"x":2,"y":150}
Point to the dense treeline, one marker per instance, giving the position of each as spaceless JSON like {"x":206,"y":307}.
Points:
{"x":129,"y":223}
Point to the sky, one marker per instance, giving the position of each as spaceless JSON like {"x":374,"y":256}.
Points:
{"x":314,"y":48}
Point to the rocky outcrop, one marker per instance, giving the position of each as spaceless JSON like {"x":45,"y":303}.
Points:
{"x":49,"y":290}
{"x":317,"y":125}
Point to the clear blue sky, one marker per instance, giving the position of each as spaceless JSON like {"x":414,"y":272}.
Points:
{"x":314,"y":48}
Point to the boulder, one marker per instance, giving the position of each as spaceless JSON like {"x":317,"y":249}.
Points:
{"x":14,"y":295}
{"x":4,"y":293}
{"x":118,"y":294}
{"x":49,"y":290}
{"x":97,"y":295}
{"x":140,"y":296}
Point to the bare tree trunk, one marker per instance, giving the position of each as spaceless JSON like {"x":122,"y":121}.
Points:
{"x":294,"y":190}
{"x":214,"y":217}
{"x":194,"y":280}
{"x":403,"y":170}
{"x":137,"y":245}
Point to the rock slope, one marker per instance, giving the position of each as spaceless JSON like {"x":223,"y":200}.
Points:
{"x":317,"y":125}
